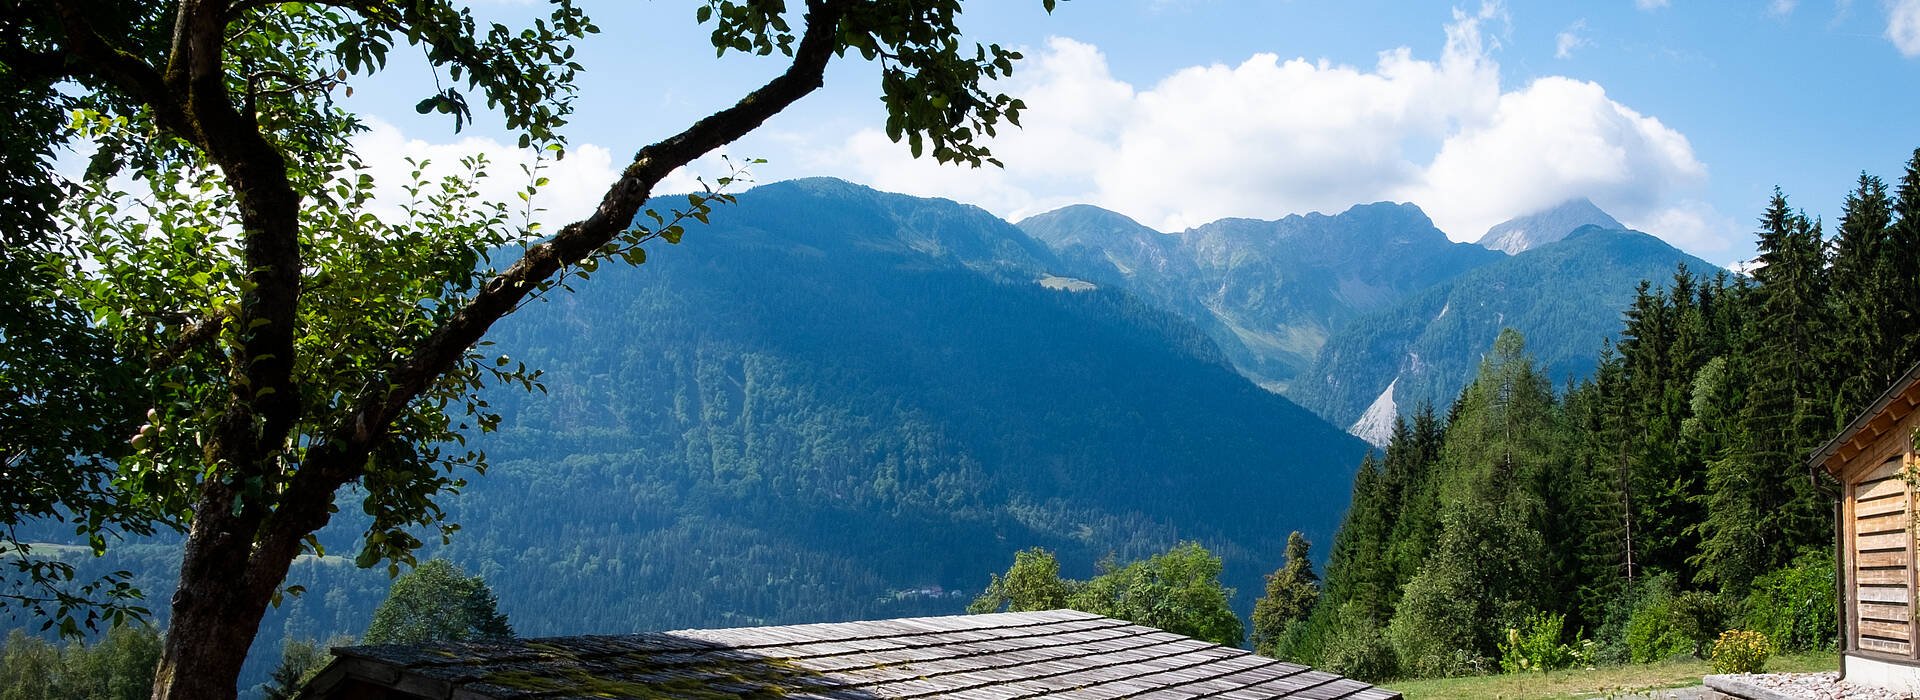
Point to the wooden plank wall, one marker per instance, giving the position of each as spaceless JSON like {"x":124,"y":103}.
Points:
{"x":1882,"y":547}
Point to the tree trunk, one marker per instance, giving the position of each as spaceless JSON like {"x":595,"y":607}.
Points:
{"x":216,"y":610}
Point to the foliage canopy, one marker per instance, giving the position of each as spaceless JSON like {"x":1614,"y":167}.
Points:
{"x":280,"y":340}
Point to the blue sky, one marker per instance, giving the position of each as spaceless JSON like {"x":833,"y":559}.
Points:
{"x":1678,"y":117}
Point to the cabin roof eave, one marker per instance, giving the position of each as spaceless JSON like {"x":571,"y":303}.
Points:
{"x":1820,"y":457}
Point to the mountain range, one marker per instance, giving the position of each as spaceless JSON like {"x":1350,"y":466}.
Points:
{"x":1364,"y":314}
{"x":837,"y":403}
{"x":1269,"y":293}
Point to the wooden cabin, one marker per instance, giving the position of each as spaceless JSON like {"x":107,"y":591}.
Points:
{"x":1873,"y":460}
{"x":1056,"y":653}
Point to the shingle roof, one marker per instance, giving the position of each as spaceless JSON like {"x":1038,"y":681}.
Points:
{"x":1060,"y":653}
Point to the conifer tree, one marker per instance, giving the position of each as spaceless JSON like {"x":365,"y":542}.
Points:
{"x":1490,"y":562}
{"x":1417,"y":528}
{"x":1867,"y":328}
{"x":1597,"y":546}
{"x":1901,"y":295}
{"x":1761,"y":506}
{"x":1291,"y":594}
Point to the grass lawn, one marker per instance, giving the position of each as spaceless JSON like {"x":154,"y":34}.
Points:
{"x":1606,"y":681}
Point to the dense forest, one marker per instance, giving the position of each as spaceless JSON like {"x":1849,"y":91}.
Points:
{"x":1637,"y":514}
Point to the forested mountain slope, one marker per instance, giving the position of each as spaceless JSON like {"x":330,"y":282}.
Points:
{"x":1269,"y":293}
{"x":834,"y":394}
{"x":835,"y":403}
{"x":1565,"y":297}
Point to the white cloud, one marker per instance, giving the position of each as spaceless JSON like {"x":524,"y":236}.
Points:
{"x":1569,"y":39}
{"x":575,"y":184}
{"x":1696,"y":226}
{"x":1264,"y":138}
{"x":1270,"y":137}
{"x":1553,"y":140}
{"x":1781,"y":8}
{"x":1649,"y":4}
{"x":1903,"y":26}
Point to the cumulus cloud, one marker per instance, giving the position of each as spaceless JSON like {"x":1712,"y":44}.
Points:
{"x":1270,"y":137}
{"x":1569,"y":39}
{"x":1695,"y":225}
{"x":1903,"y":26}
{"x":1555,"y":139}
{"x":1649,"y":4}
{"x":1266,"y":137}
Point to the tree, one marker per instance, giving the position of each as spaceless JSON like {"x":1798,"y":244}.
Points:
{"x":1178,"y":591}
{"x":282,"y":342}
{"x":1761,"y":505}
{"x":1484,"y":576}
{"x":300,"y":661}
{"x":1292,"y":592}
{"x":1033,"y":583}
{"x":437,"y":602}
{"x":117,"y":666}
{"x":1490,"y":564}
{"x":1868,"y":327}
{"x":1903,"y":260}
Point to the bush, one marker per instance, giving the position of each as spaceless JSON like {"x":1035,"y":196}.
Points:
{"x":1357,"y":647}
{"x":1740,"y":651}
{"x":1650,"y":635}
{"x":1535,"y":646}
{"x":1305,"y":641}
{"x":1794,"y":606}
{"x":1697,"y":617}
{"x":1617,"y":613}
{"x":1434,"y":630}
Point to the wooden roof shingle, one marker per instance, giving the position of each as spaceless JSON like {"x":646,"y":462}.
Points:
{"x":1005,"y":656}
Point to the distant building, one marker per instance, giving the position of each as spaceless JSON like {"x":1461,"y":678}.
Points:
{"x":1871,"y":459}
{"x":1057,"y":653}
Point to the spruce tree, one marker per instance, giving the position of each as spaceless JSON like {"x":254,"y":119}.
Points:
{"x":1357,"y":559}
{"x":1291,"y":594}
{"x":1867,"y":329}
{"x":1417,"y":528}
{"x":1902,"y":292}
{"x":1761,"y":506}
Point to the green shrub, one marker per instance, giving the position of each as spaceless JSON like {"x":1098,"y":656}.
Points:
{"x":1535,"y":646}
{"x":1794,"y":606}
{"x":1305,"y":641}
{"x":1697,"y":617}
{"x":1617,"y":613}
{"x":1357,"y":647}
{"x":1650,"y":633}
{"x":1740,"y":651}
{"x":1434,"y":630}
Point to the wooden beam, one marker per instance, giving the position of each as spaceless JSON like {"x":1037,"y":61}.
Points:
{"x":1872,"y":644}
{"x":1886,"y":612}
